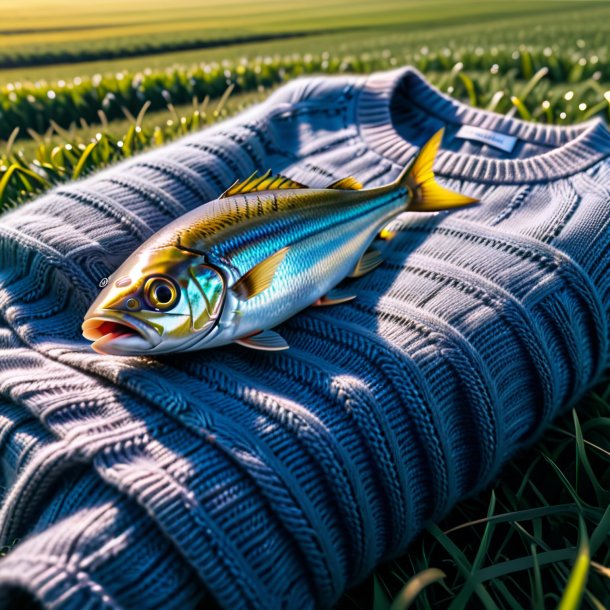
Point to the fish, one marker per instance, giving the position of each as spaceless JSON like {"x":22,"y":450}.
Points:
{"x":233,"y":269}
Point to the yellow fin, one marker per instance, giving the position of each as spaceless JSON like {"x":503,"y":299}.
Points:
{"x":428,"y":194}
{"x":259,"y":278}
{"x":348,"y":184}
{"x":266,"y":182}
{"x":386,"y":234}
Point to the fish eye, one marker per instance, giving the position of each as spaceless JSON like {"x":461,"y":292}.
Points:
{"x":161,"y":293}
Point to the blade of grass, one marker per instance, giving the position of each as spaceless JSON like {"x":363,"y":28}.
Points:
{"x":464,"y":595}
{"x":415,"y":586}
{"x":223,"y":100}
{"x":602,"y":495}
{"x":462,"y":563}
{"x":537,"y":594}
{"x":78,"y":168}
{"x":524,"y":563}
{"x":495,"y":100}
{"x":600,"y":533}
{"x":142,"y":112}
{"x":380,"y":599}
{"x":531,"y":84}
{"x":470,"y":88}
{"x":11,"y":141}
{"x":522,"y":515}
{"x":572,"y":595}
{"x":6,"y":178}
{"x":564,"y":480}
{"x":521,"y":108}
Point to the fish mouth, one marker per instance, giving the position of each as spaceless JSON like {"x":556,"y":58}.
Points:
{"x":119,"y":335}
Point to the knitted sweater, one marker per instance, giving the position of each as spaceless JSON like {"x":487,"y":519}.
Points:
{"x":276,"y":480}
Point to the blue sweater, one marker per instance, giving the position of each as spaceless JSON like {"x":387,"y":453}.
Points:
{"x":277,"y":480}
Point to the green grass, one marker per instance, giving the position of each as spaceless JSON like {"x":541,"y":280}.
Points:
{"x":32,"y":166}
{"x":540,"y":538}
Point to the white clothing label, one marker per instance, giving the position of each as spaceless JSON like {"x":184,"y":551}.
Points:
{"x":493,"y":138}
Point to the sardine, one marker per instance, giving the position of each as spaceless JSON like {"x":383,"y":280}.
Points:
{"x":232,"y":269}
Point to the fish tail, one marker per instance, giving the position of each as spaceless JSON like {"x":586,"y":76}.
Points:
{"x":427,"y":194}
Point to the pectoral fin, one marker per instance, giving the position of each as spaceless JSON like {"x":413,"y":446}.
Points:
{"x":334,"y":297}
{"x":369,"y":261}
{"x":259,"y":278}
{"x":266,"y":340}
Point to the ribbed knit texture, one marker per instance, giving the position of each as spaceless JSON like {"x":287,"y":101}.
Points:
{"x":278,"y":480}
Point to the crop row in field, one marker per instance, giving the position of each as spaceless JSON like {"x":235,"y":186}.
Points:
{"x":585,"y":31}
{"x":35,"y":33}
{"x":35,"y":105}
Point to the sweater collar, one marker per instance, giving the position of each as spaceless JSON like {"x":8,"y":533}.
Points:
{"x":573,"y":148}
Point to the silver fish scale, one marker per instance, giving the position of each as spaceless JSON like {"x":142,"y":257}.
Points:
{"x":325,"y":243}
{"x":249,"y":242}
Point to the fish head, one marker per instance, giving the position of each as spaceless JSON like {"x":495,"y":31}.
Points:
{"x":159,"y":300}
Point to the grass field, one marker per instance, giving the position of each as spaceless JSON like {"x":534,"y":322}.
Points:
{"x":540,"y":538}
{"x":41,"y":32}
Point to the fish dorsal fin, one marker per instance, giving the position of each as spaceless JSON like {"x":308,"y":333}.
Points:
{"x":266,"y":182}
{"x":346,"y":184}
{"x":259,"y":278}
